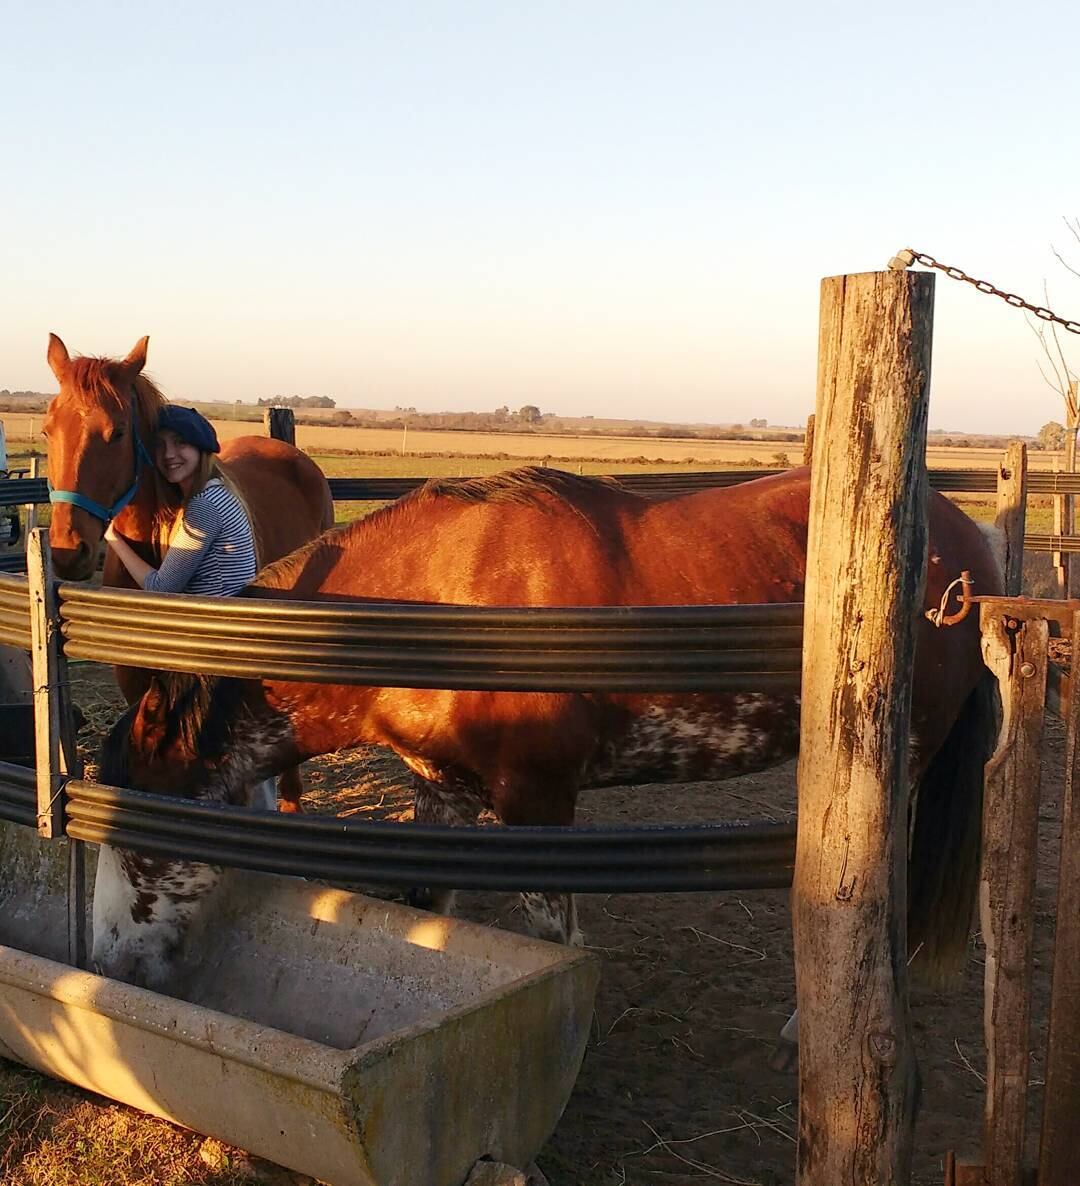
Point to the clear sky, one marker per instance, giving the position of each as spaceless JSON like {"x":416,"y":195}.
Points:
{"x":598,"y":207}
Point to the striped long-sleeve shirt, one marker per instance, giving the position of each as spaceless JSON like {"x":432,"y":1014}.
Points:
{"x":212,"y":549}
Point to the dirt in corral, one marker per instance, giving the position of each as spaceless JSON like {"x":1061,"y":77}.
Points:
{"x":676,"y":1085}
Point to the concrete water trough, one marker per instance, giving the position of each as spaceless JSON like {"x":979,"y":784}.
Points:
{"x":352,"y":1039}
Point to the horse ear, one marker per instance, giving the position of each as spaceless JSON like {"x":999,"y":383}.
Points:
{"x":153,"y":701}
{"x":148,"y":721}
{"x":136,"y":360}
{"x":58,"y":357}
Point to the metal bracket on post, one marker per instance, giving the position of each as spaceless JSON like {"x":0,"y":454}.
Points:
{"x":54,"y":730}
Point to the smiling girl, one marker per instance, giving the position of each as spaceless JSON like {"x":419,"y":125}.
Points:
{"x":211,"y":545}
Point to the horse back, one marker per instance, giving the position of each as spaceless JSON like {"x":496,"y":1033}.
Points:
{"x":285,"y":491}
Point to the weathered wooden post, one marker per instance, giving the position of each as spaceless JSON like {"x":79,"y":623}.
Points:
{"x":1015,"y":650}
{"x":1059,"y":1161}
{"x":864,"y":591}
{"x":1012,"y":512}
{"x":31,"y":507}
{"x":808,"y":441}
{"x":280,"y":423}
{"x":56,"y":756}
{"x":1058,"y":559}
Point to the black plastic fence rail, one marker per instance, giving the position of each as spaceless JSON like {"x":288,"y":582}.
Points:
{"x":746,"y":648}
{"x":18,"y":794}
{"x":650,"y":858}
{"x":17,"y":491}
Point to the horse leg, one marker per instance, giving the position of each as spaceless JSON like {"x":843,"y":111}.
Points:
{"x":542,"y":800}
{"x":552,"y":916}
{"x":450,"y":800}
{"x":290,"y":787}
{"x":785,"y":1055}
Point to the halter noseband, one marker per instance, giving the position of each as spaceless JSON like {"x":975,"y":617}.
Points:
{"x":106,"y":514}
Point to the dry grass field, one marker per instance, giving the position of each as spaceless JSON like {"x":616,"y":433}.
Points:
{"x":613,"y":451}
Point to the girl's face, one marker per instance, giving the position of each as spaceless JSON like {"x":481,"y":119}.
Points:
{"x":176,"y":460}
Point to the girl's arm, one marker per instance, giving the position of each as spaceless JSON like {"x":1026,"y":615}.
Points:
{"x":131,"y":560}
{"x":190,"y":542}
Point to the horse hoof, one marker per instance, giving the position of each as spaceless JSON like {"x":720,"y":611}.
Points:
{"x":785,"y":1057}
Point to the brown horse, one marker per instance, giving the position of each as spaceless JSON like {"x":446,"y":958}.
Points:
{"x":100,"y":431}
{"x":545,"y":538}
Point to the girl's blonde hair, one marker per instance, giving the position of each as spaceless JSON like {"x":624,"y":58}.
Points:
{"x":171,"y":502}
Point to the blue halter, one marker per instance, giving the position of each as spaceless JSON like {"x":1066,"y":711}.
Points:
{"x":106,"y":514}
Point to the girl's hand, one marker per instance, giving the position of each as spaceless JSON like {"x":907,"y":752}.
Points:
{"x":111,"y":534}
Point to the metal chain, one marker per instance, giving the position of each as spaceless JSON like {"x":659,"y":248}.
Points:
{"x":904,"y":259}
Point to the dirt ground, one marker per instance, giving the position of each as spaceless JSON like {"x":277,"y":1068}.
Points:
{"x":676,"y":1086}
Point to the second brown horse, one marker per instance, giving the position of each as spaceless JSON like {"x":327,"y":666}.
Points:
{"x":545,"y":538}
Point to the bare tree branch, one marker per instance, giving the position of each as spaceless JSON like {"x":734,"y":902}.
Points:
{"x":1064,"y":263}
{"x":1060,"y":383}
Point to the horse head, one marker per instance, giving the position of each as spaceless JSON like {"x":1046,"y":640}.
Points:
{"x":97,"y":427}
{"x":148,"y":908}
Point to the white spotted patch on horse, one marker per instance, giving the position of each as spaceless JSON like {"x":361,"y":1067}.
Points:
{"x":711,"y":738}
{"x":144,"y":905}
{"x":142,"y":908}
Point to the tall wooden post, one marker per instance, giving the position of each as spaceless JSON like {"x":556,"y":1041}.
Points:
{"x":1059,"y":1163}
{"x":45,"y":657}
{"x":1012,"y":512}
{"x":865,"y":581}
{"x":1016,"y":652}
{"x":280,"y":423}
{"x":56,"y":756}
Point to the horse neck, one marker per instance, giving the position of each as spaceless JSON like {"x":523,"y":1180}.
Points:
{"x":139,"y":522}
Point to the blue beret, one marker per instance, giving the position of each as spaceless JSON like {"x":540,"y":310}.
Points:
{"x":190,"y":426}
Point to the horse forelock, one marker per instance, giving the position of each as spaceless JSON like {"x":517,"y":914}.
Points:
{"x":94,"y":381}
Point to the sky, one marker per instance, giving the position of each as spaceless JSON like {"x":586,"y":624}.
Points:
{"x":600,"y":208}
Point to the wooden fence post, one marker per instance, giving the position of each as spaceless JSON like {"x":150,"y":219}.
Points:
{"x":56,"y":756}
{"x":31,"y":507}
{"x":1060,"y":560}
{"x":808,"y":441}
{"x":1059,"y":1161}
{"x":1011,"y":512}
{"x":1016,"y":652}
{"x":866,"y":567}
{"x":280,"y":423}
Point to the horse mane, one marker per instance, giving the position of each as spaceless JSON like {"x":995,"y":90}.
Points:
{"x":527,"y":484}
{"x":195,"y":712}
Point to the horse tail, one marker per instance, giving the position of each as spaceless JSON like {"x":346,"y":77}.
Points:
{"x":946,"y":842}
